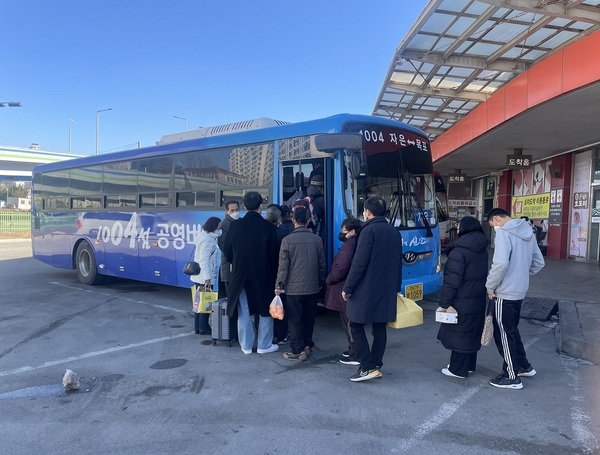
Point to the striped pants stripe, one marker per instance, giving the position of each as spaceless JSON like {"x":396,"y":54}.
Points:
{"x":507,"y":337}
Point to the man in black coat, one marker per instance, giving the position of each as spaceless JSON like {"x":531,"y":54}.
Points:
{"x":250,"y":246}
{"x":232,"y":213}
{"x":371,"y":287}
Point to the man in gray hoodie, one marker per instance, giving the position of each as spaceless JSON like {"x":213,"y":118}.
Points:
{"x":516,"y":256}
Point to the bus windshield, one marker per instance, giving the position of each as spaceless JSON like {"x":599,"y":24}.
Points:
{"x":410,"y":200}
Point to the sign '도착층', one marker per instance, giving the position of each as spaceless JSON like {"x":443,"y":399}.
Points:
{"x":518,"y":161}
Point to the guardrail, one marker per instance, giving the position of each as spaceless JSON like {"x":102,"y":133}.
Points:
{"x":14,"y":221}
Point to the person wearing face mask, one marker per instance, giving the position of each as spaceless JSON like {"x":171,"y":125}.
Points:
{"x":206,"y":256}
{"x":371,"y":287}
{"x":516,"y":256}
{"x":232,"y":213}
{"x":336,"y":279}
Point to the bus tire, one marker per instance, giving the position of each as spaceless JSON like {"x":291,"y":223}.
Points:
{"x":85,"y":263}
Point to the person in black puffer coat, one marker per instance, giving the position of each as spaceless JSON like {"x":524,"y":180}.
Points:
{"x":464,"y":289}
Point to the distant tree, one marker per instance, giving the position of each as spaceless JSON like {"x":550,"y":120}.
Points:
{"x":18,"y":191}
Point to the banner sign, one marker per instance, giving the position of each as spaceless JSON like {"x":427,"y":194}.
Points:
{"x":462,"y":202}
{"x":536,"y":207}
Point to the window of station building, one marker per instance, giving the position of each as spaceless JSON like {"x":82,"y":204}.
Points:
{"x":596,"y":168}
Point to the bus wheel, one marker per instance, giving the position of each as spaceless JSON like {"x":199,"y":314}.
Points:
{"x":85,"y":262}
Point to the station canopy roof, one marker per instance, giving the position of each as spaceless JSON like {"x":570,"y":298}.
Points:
{"x":459,"y":52}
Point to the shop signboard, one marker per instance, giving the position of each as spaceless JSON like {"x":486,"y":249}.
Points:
{"x":462,"y":202}
{"x":555,"y":207}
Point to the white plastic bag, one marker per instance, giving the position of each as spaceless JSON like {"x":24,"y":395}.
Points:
{"x":276,"y":308}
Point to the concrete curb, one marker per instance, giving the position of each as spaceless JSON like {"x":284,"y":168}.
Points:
{"x":570,"y":338}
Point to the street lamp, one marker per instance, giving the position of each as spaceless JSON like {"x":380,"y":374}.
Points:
{"x":98,"y":124}
{"x":10,"y":104}
{"x":70,"y":123}
{"x":186,"y":121}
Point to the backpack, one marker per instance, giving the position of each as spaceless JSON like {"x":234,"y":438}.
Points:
{"x":299,"y":198}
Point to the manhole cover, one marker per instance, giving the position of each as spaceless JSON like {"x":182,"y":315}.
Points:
{"x":541,"y":309}
{"x":167,"y":364}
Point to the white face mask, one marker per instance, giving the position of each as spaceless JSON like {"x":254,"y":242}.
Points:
{"x":235,"y":215}
{"x":217,"y":233}
{"x":496,"y":228}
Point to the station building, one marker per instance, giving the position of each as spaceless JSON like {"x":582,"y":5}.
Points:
{"x":509,"y":93}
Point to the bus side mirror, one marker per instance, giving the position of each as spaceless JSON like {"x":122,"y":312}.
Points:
{"x":339,"y":141}
{"x":350,"y":142}
{"x":358,"y":165}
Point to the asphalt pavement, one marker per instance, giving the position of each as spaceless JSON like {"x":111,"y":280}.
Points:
{"x":149,"y":385}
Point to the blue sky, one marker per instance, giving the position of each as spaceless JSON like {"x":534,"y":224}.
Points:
{"x":209,"y":62}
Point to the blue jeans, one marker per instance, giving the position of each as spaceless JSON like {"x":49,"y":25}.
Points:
{"x":246,"y":327}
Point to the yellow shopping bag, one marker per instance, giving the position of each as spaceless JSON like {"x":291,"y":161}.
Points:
{"x":408,"y":313}
{"x":202,"y":299}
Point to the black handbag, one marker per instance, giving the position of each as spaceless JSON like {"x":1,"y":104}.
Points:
{"x":191,"y":267}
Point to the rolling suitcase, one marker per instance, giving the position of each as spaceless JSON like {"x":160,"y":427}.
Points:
{"x":220,"y":323}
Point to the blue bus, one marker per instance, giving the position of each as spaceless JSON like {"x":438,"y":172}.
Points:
{"x":135,"y":214}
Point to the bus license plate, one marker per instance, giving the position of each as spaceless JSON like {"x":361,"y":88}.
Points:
{"x":414,"y":291}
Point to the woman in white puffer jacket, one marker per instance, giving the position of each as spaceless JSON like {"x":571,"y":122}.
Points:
{"x":206,"y":256}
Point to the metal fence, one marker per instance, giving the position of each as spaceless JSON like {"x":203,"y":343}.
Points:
{"x":14,"y":221}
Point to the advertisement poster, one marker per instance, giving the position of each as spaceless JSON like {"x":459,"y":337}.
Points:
{"x":579,"y":205}
{"x":536,"y":207}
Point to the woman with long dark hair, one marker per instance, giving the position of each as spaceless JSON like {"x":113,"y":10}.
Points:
{"x":206,"y":256}
{"x":464,"y":289}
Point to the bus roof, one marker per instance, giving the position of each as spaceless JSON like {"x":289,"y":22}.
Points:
{"x":283,"y":130}
{"x":228,"y":128}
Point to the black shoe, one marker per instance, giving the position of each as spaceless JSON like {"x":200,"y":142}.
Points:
{"x":528,"y":372}
{"x":286,"y":340}
{"x":348,"y":361}
{"x":365,"y":375}
{"x":346,"y":354}
{"x":504,"y":382}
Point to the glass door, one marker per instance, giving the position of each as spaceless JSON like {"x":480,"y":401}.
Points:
{"x":595,"y":226}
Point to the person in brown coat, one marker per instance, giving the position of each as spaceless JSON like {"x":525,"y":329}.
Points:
{"x":335,"y":282}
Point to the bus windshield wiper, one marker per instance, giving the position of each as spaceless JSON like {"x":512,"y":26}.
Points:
{"x":425,"y":220}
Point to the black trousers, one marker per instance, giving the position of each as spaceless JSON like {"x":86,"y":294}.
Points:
{"x":346,"y":326}
{"x":461,"y":363}
{"x":507,"y":337}
{"x":369,"y":358}
{"x":301,"y":312}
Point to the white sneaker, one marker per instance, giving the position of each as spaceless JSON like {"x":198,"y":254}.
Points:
{"x":247,"y":351}
{"x":447,"y":372}
{"x":273,"y":348}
